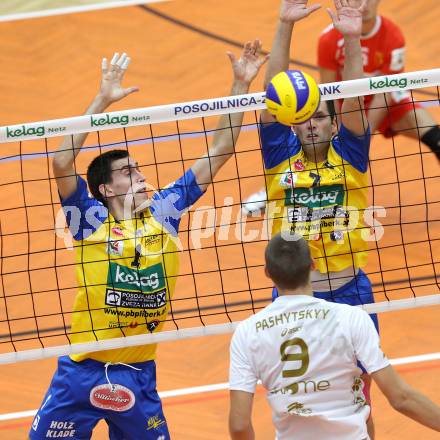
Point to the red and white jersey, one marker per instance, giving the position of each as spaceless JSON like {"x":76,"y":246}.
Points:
{"x":383,"y":49}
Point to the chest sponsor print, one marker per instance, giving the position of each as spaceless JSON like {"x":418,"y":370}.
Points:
{"x":141,"y":280}
{"x":317,"y":197}
{"x":135,"y":300}
{"x":136,"y":288}
{"x":113,"y":397}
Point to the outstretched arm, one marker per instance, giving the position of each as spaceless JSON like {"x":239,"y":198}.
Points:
{"x":240,"y":415}
{"x":110,"y":91}
{"x":406,"y":399}
{"x":347,"y":19}
{"x":291,"y":11}
{"x":245,"y":70}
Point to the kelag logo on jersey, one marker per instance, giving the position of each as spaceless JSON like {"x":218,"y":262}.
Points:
{"x":145,"y":280}
{"x":316,"y":197}
{"x":133,"y":288}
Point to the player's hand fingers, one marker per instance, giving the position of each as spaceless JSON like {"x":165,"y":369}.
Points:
{"x":313,"y":8}
{"x":126,"y":63}
{"x":263,"y":60}
{"x":130,"y":90}
{"x":333,"y":16}
{"x":124,"y":67}
{"x":258,"y":45}
{"x":231,"y":57}
{"x":104,"y":65}
{"x":113,"y":62}
{"x":247,"y":48}
{"x":363,"y":6}
{"x":121,"y":60}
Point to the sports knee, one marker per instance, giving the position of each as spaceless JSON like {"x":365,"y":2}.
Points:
{"x":432,"y":139}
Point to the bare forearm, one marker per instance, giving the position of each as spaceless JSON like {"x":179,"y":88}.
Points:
{"x":71,"y":145}
{"x":419,"y":408}
{"x":244,"y":434}
{"x":377,"y":111}
{"x":353,"y":64}
{"x":229,"y":126}
{"x":353,"y":115}
{"x":280,"y":53}
{"x":225,"y":138}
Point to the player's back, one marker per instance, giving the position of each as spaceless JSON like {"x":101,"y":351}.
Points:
{"x":305,"y":352}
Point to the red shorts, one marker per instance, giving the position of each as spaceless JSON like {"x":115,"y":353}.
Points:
{"x":401,"y":103}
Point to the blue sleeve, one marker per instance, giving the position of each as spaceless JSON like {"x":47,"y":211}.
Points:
{"x":354,"y":149}
{"x":278,"y":143}
{"x":169,"y":204}
{"x":84,"y":214}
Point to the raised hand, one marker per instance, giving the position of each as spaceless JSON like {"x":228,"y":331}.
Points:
{"x":347,"y":18}
{"x":248,"y":65}
{"x":111,"y":89}
{"x":295,"y":10}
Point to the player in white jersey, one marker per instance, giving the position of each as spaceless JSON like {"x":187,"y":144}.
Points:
{"x":305,"y":352}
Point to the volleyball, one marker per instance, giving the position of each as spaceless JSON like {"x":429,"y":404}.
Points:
{"x":292,"y":97}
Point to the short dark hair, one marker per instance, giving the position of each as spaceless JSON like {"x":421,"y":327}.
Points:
{"x":288,"y":261}
{"x":100,"y":171}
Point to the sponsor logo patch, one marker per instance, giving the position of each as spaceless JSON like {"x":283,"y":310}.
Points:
{"x":114,"y":398}
{"x":145,"y":280}
{"x":108,"y":120}
{"x":135,"y":300}
{"x":61,"y":429}
{"x":288,"y":179}
{"x":16,"y":131}
{"x":115,"y":247}
{"x":298,"y":408}
{"x":152,"y":325}
{"x":36,"y":422}
{"x":298,"y":165}
{"x":316,"y":197}
{"x":154,"y":422}
{"x":377,"y":84}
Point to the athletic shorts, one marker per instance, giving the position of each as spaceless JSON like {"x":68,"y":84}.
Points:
{"x":80,"y":395}
{"x":400,"y":104}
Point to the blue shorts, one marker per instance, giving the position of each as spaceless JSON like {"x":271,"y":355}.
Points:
{"x":355,"y":292}
{"x":80,"y":395}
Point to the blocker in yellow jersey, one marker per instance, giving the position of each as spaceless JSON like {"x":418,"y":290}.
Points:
{"x":325,"y":202}
{"x":126,"y":248}
{"x":316,"y":172}
{"x":126,"y":269}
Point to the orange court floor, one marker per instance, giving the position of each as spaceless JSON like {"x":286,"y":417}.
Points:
{"x":50,"y":69}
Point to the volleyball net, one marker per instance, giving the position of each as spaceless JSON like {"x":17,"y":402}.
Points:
{"x":221,"y":279}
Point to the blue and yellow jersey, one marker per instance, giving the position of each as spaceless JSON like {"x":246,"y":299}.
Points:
{"x":126,"y":271}
{"x":324,"y":202}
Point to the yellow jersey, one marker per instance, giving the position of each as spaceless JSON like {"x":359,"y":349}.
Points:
{"x":126,"y":271}
{"x":324,"y":202}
